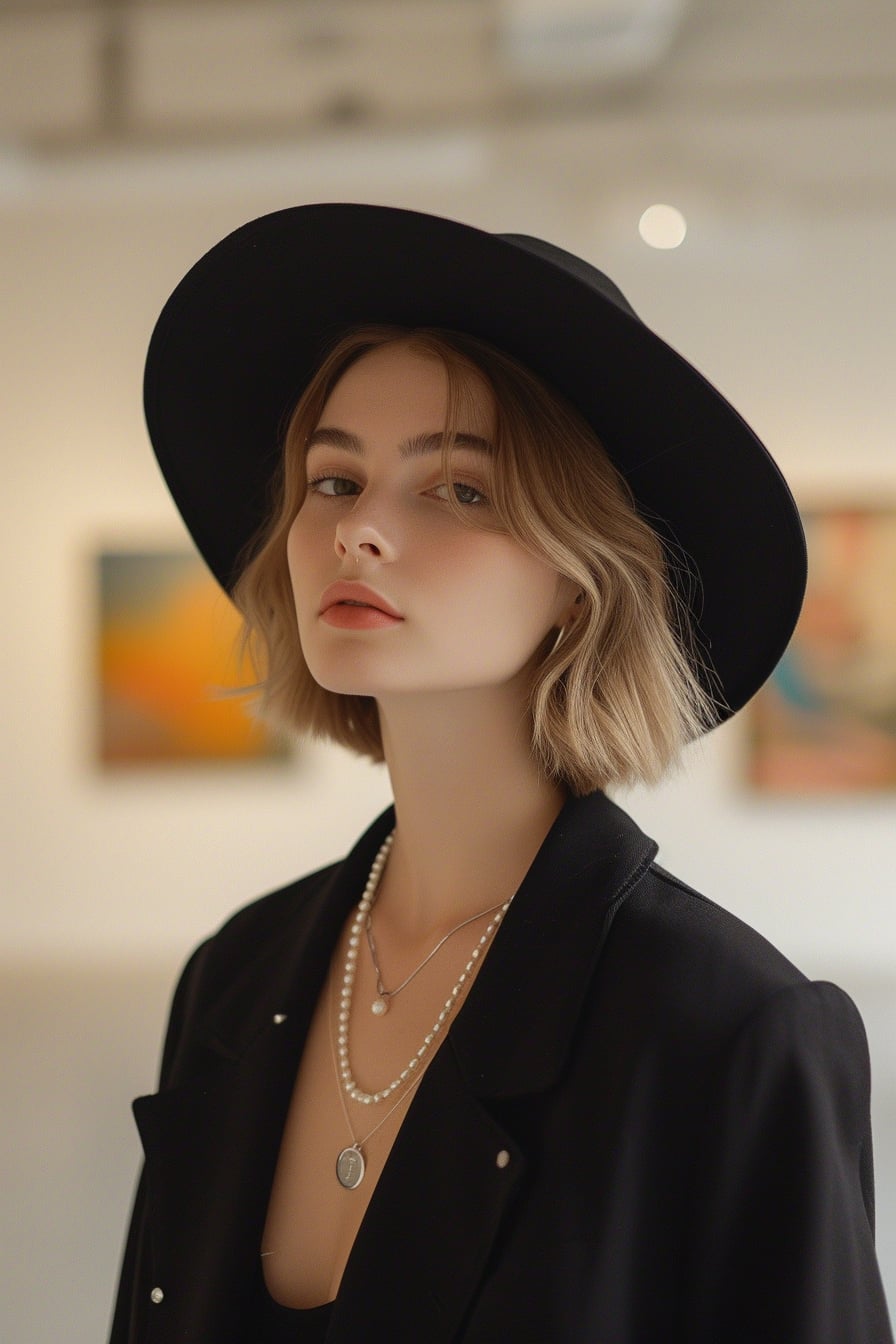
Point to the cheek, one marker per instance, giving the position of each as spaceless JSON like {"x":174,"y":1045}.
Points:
{"x":502,"y":578}
{"x":304,"y":538}
{"x":300,"y":552}
{"x":293,"y":553}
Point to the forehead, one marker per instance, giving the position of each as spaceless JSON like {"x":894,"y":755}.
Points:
{"x":402,"y":384}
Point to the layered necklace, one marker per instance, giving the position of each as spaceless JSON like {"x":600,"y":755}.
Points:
{"x":380,"y":1005}
{"x":350,"y":1164}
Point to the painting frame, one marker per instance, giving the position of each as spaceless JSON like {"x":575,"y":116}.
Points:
{"x":824,"y":724}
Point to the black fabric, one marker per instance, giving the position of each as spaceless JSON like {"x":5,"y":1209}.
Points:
{"x":682,"y":1118}
{"x":286,"y":1325}
{"x":242,"y":333}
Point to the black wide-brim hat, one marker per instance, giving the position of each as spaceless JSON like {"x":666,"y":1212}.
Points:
{"x":244,"y":331}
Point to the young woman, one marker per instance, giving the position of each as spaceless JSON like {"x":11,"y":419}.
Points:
{"x":496,"y":1076}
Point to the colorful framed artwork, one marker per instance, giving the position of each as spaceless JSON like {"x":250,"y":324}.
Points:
{"x":825,"y":722}
{"x":166,"y":653}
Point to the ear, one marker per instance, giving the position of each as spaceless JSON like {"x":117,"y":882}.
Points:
{"x":574,"y":610}
{"x":569,"y":602}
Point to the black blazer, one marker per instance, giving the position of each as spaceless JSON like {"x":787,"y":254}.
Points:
{"x":686,"y":1118}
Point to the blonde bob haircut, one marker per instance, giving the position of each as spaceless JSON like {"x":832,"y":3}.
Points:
{"x":615,"y":696}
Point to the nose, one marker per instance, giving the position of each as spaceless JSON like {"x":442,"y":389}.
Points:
{"x":365,"y":531}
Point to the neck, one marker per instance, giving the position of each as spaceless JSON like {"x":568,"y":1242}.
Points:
{"x":471,"y":806}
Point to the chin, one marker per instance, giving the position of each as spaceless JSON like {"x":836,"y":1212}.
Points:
{"x":337,"y":680}
{"x":338,"y":676}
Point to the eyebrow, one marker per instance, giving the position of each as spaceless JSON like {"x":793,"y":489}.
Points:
{"x":418,"y":446}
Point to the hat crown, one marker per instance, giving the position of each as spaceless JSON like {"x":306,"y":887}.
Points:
{"x":572,"y":265}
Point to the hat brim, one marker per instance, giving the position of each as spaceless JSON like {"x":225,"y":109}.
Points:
{"x":245,"y":329}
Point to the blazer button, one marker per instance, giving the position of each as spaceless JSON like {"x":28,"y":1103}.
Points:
{"x":279,"y":1019}
{"x":156,"y":1296}
{"x":503,"y":1159}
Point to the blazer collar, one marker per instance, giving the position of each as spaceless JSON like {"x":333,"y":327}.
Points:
{"x":280,"y":972}
{"x":515,"y":1029}
{"x":512,"y":1033}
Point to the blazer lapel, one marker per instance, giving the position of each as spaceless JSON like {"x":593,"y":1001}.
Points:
{"x":455,"y":1169}
{"x":517,"y":1024}
{"x":433,"y":1219}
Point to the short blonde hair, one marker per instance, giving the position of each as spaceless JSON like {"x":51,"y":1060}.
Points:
{"x":618,"y":696}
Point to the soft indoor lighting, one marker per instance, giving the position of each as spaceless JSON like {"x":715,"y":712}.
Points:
{"x":662,"y":226}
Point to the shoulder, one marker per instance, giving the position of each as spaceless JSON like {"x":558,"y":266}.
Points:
{"x":696,"y":937}
{"x":704,"y":1011}
{"x":266,"y":948}
{"x":256,"y":929}
{"x":248,"y":952}
{"x":706,"y":975}
{"x":266,"y":917}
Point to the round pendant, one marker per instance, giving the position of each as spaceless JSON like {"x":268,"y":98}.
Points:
{"x":350,"y":1168}
{"x":379,"y":1007}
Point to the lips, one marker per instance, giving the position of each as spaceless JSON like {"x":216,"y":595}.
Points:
{"x":356,"y":595}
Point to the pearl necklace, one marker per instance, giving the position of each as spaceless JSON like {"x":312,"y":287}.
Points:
{"x":348,"y":982}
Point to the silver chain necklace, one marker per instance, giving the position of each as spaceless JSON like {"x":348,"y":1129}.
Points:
{"x":380,"y":1005}
{"x":348,"y":981}
{"x":351,"y":1164}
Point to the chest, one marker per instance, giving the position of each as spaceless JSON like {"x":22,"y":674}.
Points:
{"x":314,"y":1216}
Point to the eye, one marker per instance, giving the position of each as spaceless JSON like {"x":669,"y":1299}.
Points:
{"x":464,"y":492}
{"x":333,"y":486}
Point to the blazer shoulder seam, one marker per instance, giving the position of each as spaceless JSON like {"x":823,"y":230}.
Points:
{"x":669,"y":879}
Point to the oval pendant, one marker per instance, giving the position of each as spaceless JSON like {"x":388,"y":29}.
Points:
{"x":379,"y":1007}
{"x":350,"y":1168}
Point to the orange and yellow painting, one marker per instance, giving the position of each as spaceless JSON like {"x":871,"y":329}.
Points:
{"x":167,"y":641}
{"x":826,"y":720}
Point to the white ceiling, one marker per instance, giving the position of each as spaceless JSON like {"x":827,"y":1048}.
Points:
{"x":78,"y":71}
{"x":783,"y":102}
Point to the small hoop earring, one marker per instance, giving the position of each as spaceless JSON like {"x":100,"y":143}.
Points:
{"x":558,"y":641}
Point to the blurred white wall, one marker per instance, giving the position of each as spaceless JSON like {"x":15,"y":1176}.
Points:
{"x":783,"y":293}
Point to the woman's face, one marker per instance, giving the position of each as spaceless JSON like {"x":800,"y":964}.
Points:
{"x":422,"y":602}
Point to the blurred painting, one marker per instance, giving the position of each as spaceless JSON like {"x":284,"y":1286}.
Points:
{"x":826,"y":720}
{"x":167,"y":641}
